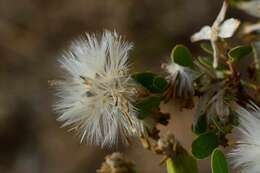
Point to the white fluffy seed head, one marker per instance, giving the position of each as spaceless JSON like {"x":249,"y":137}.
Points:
{"x":97,"y":94}
{"x":246,"y":155}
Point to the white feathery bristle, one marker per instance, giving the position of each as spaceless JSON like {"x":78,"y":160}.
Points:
{"x":246,"y":155}
{"x":182,"y":79}
{"x":96,"y":98}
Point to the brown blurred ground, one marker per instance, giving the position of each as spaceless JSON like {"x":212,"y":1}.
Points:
{"x":32,"y":34}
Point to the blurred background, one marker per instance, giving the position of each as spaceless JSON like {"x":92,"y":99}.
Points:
{"x":32,"y":35}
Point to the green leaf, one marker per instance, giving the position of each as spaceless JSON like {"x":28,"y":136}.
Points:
{"x":206,"y":47}
{"x":239,"y":52}
{"x":151,"y":81}
{"x":182,"y":56}
{"x":204,"y":144}
{"x":170,"y":166}
{"x":201,"y":125}
{"x":181,"y":162}
{"x":159,"y":83}
{"x":208,"y":62}
{"x":147,"y":105}
{"x":218,"y":162}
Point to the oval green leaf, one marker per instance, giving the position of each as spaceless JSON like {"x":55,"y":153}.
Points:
{"x":204,"y":144}
{"x":182,"y":56}
{"x":181,"y":162}
{"x":151,"y":81}
{"x":208,"y":62}
{"x":201,"y":125}
{"x":170,"y":166}
{"x":147,"y":105}
{"x":207,"y":48}
{"x":218,"y":162}
{"x":159,"y":84}
{"x":239,"y":52}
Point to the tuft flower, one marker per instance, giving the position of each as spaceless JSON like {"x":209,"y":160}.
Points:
{"x":97,"y":94}
{"x":246,"y":155}
{"x":215,"y":103}
{"x":251,"y":7}
{"x":218,"y":106}
{"x":166,"y":145}
{"x":180,"y":81}
{"x":219,"y":29}
{"x":116,"y":163}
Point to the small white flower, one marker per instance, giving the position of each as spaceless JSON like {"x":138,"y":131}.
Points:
{"x":180,"y":80}
{"x":246,"y":155}
{"x":251,"y":7}
{"x":219,"y":29}
{"x":97,"y":94}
